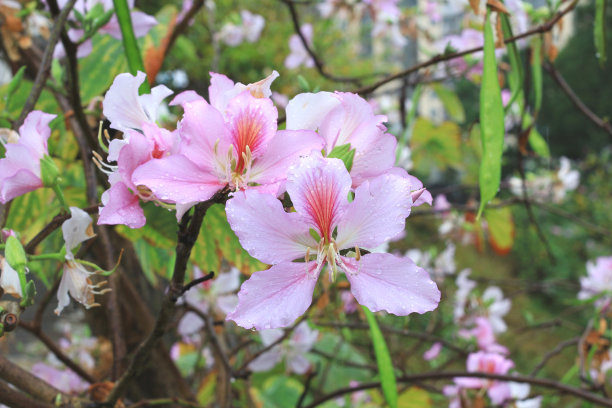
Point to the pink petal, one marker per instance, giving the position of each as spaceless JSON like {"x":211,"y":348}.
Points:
{"x":252,"y":123}
{"x":19,"y":183}
{"x":276,"y":297}
{"x":121,"y":207}
{"x":282,"y":151}
{"x":377,"y":214}
{"x":185,"y":97}
{"x":142,"y":23}
{"x":319,"y":189}
{"x":176,"y":179}
{"x":35,"y":131}
{"x":373,"y":160}
{"x":395,"y":285}
{"x":265,"y":230}
{"x":200,"y":129}
{"x":133,"y":154}
{"x":220,"y":91}
{"x":307,"y":110}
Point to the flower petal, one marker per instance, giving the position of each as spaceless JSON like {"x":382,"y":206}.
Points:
{"x":282,"y":151}
{"x":307,"y":110}
{"x":201,"y":129}
{"x":176,"y":179}
{"x":122,"y":104}
{"x":267,"y":360}
{"x":77,"y":228}
{"x":276,"y":297}
{"x":395,"y":285}
{"x":121,"y":207}
{"x":265,"y":230}
{"x":252,"y":122}
{"x":9,"y":279}
{"x":319,"y":189}
{"x":377,"y":214}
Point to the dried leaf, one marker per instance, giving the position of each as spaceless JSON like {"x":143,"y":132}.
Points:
{"x":497,"y":6}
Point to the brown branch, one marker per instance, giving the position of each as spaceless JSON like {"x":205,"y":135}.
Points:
{"x":599,"y":122}
{"x":182,"y":25}
{"x":545,"y":27}
{"x":189,"y":230}
{"x":45,"y":64}
{"x":434,"y":376}
{"x":13,"y":398}
{"x":315,"y":58}
{"x":30,"y":384}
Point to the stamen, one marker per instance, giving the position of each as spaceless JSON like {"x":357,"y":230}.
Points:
{"x":357,"y":253}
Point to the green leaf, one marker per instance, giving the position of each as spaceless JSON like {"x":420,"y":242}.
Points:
{"x":15,"y":83}
{"x":98,"y":70}
{"x":304,"y":85}
{"x":383,"y":360}
{"x":435,"y":145}
{"x":599,"y":30}
{"x":538,"y":144}
{"x":130,"y":45}
{"x":451,"y":102}
{"x":278,"y":392}
{"x":344,"y":153}
{"x":501,"y":229}
{"x":491,"y":123}
{"x":536,"y":72}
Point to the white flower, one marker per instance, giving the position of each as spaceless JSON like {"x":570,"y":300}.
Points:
{"x":9,"y":279}
{"x":75,"y":280}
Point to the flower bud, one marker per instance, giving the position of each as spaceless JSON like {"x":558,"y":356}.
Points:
{"x":49,"y":173}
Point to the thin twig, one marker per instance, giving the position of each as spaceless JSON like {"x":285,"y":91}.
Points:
{"x":545,"y":27}
{"x":45,"y":64}
{"x":560,"y":347}
{"x":599,"y":122}
{"x":432,"y":376}
{"x":189,"y":230}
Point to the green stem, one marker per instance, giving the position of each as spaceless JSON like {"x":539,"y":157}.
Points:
{"x":130,"y":45}
{"x":59,"y":256}
{"x":60,"y":196}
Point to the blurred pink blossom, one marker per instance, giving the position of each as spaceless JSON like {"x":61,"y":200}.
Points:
{"x":298,"y":55}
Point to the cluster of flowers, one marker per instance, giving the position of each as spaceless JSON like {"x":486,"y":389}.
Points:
{"x":481,"y":318}
{"x":548,"y":186}
{"x":234,"y":141}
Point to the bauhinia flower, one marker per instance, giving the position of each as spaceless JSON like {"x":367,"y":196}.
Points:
{"x":75,"y":280}
{"x":233,"y":142}
{"x":298,"y":54}
{"x":324,"y":224}
{"x":598,"y":281}
{"x":249,"y":30}
{"x":492,"y":363}
{"x":20,"y":169}
{"x":293,"y":350}
{"x":346,"y":118}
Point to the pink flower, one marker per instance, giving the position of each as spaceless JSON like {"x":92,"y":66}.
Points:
{"x":483,"y":332}
{"x":249,"y":30}
{"x":64,"y":380}
{"x":348,"y":301}
{"x":9,"y":279}
{"x":20,"y":168}
{"x":230,"y":141}
{"x":433,"y":352}
{"x":298,"y":54}
{"x":141,"y":23}
{"x":319,"y":188}
{"x":598,"y":280}
{"x":484,"y":362}
{"x":346,"y":118}
{"x":293,"y":351}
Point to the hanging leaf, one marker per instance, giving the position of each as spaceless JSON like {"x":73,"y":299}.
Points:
{"x":600,"y":30}
{"x":536,"y":73}
{"x":515,"y":75}
{"x":383,"y":360}
{"x":104,"y":64}
{"x":435,"y":145}
{"x":491,"y":123}
{"x":130,"y":45}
